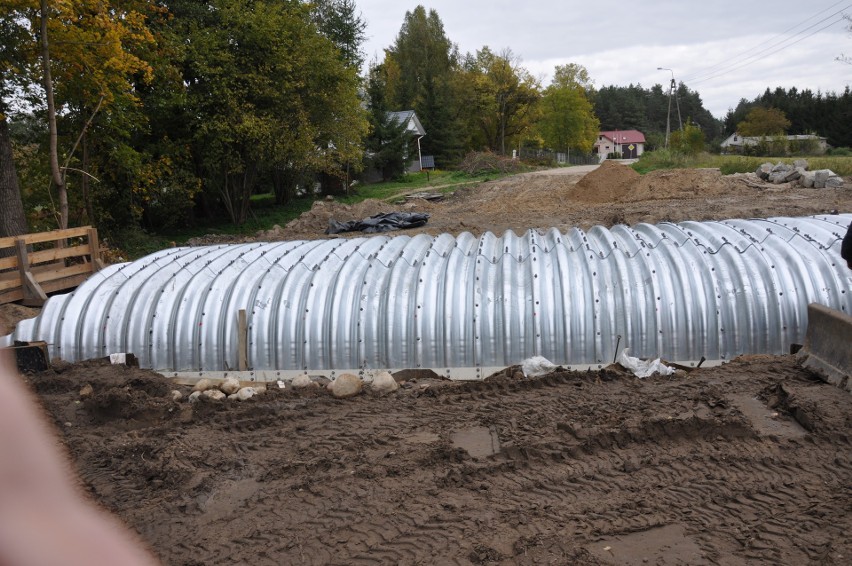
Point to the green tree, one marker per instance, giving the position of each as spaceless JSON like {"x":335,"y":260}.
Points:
{"x":387,"y":140}
{"x":763,"y":122}
{"x":505,"y":97}
{"x":567,"y":115}
{"x":85,"y":63}
{"x":268,"y":93}
{"x":339,"y":21}
{"x":420,"y":67}
{"x":689,"y":141}
{"x":13,"y":61}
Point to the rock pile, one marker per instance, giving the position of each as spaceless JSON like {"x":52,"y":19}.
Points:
{"x":228,"y":389}
{"x":799,"y":173}
{"x":342,"y":387}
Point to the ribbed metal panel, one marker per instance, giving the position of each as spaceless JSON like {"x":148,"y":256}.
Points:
{"x":681,"y":291}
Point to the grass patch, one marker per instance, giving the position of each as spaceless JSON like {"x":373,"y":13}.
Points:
{"x":436,"y":181}
{"x":728,"y":164}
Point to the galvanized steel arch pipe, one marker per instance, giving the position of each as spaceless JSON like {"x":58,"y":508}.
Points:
{"x":681,"y":291}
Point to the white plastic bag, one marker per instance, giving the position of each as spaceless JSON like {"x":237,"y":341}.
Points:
{"x":642,"y":368}
{"x":536,"y":366}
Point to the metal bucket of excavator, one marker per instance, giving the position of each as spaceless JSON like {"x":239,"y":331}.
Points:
{"x":828,"y":345}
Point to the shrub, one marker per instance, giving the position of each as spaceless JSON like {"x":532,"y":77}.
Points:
{"x":689,"y":141}
{"x":477,"y":162}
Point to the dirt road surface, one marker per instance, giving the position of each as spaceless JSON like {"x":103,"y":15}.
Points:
{"x":748,"y":463}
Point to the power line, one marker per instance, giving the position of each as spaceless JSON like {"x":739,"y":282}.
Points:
{"x":751,"y":49}
{"x":770,"y":44}
{"x":746,"y":62}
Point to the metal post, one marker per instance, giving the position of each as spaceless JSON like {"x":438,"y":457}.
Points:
{"x":669,"y":113}
{"x":677,"y":103}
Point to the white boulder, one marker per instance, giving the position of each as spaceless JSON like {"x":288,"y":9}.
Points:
{"x":246,"y":393}
{"x":301,"y":381}
{"x":203,"y":385}
{"x":230,"y":386}
{"x":213,"y":394}
{"x":384,"y":382}
{"x":346,"y":385}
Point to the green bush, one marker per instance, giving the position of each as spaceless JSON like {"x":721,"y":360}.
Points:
{"x":476,"y":163}
{"x":661,"y":159}
{"x":689,"y":141}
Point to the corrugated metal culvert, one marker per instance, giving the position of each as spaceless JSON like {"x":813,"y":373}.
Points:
{"x":681,"y":291}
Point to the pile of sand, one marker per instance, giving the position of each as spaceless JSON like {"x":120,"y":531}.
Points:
{"x":682,"y":183}
{"x":613,"y":182}
{"x":608,"y":183}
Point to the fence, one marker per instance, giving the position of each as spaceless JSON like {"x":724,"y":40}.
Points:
{"x":559,"y":157}
{"x":28,"y":274}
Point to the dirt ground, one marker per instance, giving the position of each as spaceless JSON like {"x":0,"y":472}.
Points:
{"x":574,"y":197}
{"x":748,"y":463}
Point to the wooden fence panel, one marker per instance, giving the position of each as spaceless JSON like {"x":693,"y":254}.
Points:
{"x":27,"y":275}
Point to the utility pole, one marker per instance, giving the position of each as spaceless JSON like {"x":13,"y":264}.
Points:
{"x":669,"y":113}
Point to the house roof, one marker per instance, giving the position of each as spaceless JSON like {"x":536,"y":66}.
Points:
{"x":409,"y":118}
{"x":624,"y":136}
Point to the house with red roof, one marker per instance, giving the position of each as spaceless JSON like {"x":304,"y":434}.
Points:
{"x":629,"y":143}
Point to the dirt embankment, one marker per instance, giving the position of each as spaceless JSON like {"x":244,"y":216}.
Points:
{"x":612,"y":194}
{"x":746,"y":463}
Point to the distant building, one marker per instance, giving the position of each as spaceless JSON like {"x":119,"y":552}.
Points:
{"x":736,"y":143}
{"x":415,"y":129}
{"x":629,"y":143}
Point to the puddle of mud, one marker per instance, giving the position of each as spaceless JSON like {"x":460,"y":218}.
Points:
{"x":228,"y":498}
{"x":422,"y":437}
{"x":478,"y":441}
{"x":660,"y":545}
{"x":765,"y":421}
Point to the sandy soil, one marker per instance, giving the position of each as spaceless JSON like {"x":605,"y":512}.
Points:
{"x":748,"y":463}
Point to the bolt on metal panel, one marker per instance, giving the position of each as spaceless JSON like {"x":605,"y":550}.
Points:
{"x":681,"y":291}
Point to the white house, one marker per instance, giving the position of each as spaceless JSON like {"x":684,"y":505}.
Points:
{"x":415,"y":129}
{"x":736,"y":143}
{"x":629,"y":143}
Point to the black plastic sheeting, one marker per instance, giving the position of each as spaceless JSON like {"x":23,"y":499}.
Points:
{"x":385,"y":222}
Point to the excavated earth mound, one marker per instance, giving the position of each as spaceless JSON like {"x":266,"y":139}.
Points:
{"x":610,"y":182}
{"x":566,"y":198}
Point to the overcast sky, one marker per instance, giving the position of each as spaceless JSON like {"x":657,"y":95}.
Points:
{"x":724,"y":49}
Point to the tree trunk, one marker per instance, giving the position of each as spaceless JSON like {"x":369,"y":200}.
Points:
{"x":51,"y":120}
{"x":84,"y":183}
{"x":13,"y":222}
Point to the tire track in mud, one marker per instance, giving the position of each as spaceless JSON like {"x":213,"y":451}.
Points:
{"x":584,"y":459}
